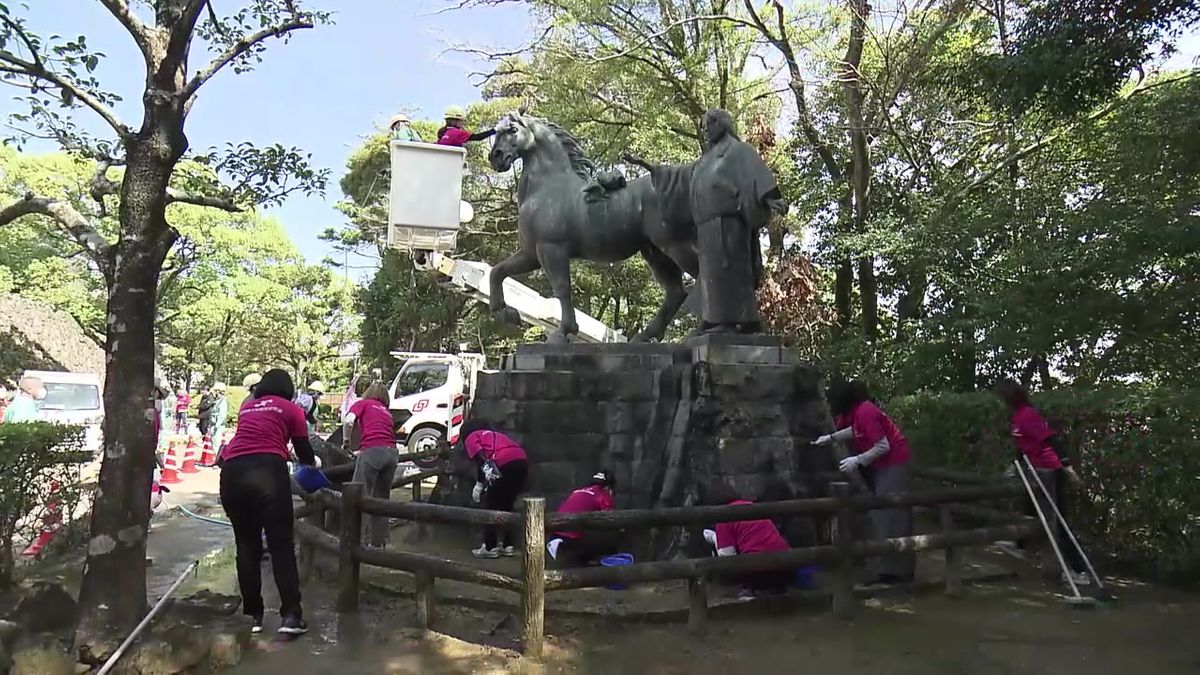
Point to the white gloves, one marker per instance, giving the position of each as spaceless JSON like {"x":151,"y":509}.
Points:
{"x":711,"y":537}
{"x":477,"y":493}
{"x":316,"y":461}
{"x":850,"y":464}
{"x":552,"y":547}
{"x":827,"y":439}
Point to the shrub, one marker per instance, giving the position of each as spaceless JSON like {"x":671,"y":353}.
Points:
{"x":39,"y":482}
{"x":1138,"y":450}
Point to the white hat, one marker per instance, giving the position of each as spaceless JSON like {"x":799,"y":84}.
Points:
{"x":455,"y":112}
{"x":317,"y":386}
{"x":251,"y":380}
{"x":398,"y":119}
{"x":220,"y":386}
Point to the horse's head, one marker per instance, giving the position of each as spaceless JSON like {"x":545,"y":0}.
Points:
{"x":513,"y":139}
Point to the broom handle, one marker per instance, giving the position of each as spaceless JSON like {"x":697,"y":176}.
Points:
{"x":1046,"y":526}
{"x":1067,"y":528}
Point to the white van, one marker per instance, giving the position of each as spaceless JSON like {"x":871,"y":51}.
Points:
{"x":73,"y":398}
{"x":434,"y":390}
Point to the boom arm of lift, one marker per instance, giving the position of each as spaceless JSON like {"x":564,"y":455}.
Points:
{"x":472,"y":278}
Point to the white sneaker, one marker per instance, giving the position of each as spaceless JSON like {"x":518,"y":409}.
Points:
{"x":746,"y":595}
{"x":1011,"y":548}
{"x":508,"y":551}
{"x":484,"y":552}
{"x":1080,"y":579}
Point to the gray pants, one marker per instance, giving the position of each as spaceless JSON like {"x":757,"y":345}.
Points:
{"x":891,"y":523}
{"x":375,"y":468}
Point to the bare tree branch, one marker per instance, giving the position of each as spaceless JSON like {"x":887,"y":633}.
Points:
{"x":297,"y":22}
{"x":176,"y":196}
{"x":141,"y":35}
{"x":667,"y":29}
{"x":67,"y":216}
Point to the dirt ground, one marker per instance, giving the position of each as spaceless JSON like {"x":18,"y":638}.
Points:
{"x":993,"y":630}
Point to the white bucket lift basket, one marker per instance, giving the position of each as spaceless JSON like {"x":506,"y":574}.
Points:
{"x":426,"y":196}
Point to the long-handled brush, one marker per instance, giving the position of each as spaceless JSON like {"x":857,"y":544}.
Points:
{"x":1077,"y":599}
{"x":1102,"y":593}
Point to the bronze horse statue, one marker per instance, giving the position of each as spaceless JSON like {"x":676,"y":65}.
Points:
{"x":568,"y":210}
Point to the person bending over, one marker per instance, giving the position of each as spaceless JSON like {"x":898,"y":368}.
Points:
{"x":501,"y":467}
{"x":256,"y":493}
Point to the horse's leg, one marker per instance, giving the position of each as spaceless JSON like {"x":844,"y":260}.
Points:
{"x":556,"y":262}
{"x":670,"y":278}
{"x":520,"y":262}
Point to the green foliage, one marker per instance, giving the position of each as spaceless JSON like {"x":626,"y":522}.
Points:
{"x":1137,"y":449}
{"x":39,"y":477}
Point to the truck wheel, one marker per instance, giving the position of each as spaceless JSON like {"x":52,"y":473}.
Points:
{"x":424,"y":440}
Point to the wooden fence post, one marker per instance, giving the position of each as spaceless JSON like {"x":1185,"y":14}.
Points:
{"x":348,"y":544}
{"x":426,"y":607}
{"x":697,"y":605}
{"x":533,"y":588}
{"x":954,"y":557}
{"x":845,"y":603}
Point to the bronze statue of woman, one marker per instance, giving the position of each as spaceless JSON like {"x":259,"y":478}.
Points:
{"x":733,"y":193}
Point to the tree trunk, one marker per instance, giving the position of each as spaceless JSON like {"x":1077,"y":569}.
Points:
{"x":843,"y":290}
{"x":860,"y":165}
{"x":112,"y":598}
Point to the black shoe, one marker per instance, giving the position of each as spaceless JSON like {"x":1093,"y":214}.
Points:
{"x":293,"y":625}
{"x":256,"y":627}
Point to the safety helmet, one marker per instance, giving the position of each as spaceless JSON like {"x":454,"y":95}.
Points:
{"x":251,"y":380}
{"x":220,"y":386}
{"x":317,"y":386}
{"x":455,"y":112}
{"x":398,"y":119}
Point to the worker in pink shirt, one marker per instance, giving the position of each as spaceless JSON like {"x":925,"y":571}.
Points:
{"x":571,"y":548}
{"x":879,"y":453}
{"x":745,"y":537}
{"x":502,"y":466}
{"x":454,"y":133}
{"x":1035,"y":439}
{"x":375,"y":457}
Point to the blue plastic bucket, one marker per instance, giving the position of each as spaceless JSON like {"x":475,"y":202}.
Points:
{"x":804,"y":578}
{"x":311,"y":479}
{"x":616,"y":560}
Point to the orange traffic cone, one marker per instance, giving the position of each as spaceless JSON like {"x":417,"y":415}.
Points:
{"x":208,"y":457}
{"x":50,"y":524}
{"x":170,"y":471}
{"x":190,"y":454}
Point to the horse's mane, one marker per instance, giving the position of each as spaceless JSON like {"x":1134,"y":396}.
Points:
{"x":580,"y":164}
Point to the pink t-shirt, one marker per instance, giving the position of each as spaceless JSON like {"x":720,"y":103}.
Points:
{"x":454,"y":136}
{"x":495,"y":446}
{"x":585,"y":500}
{"x":1032,"y":435}
{"x":870,"y":424}
{"x":182,"y":403}
{"x":377,"y":427}
{"x":750,"y":536}
{"x":265,"y":425}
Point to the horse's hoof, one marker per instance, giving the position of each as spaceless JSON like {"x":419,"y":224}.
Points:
{"x":508,"y":315}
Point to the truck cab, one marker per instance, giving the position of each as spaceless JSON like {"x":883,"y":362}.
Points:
{"x":430,"y":395}
{"x":73,"y":398}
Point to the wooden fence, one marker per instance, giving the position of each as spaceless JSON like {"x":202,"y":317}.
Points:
{"x":535,"y":580}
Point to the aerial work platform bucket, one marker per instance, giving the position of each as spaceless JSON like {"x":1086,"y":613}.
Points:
{"x":426,"y":206}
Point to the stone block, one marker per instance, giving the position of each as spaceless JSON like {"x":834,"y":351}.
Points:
{"x":622,"y":447}
{"x":491,"y":385}
{"x":525,"y":385}
{"x":737,"y":383}
{"x":565,"y":447}
{"x":742,"y":354}
{"x":735,"y":339}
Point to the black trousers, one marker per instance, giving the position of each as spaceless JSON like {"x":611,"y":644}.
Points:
{"x":588,"y":549}
{"x":502,"y":496}
{"x":1056,"y":484}
{"x":256,"y":492}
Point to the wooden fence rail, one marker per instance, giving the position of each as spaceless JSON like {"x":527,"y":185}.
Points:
{"x":535,"y":580}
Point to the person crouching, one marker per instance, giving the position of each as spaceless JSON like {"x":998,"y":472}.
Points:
{"x":501,"y":466}
{"x":744,"y":537}
{"x":571,"y":548}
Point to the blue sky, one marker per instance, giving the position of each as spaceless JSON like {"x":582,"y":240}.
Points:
{"x":323,"y":91}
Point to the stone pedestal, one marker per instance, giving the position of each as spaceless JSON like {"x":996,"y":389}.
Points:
{"x":668,"y":420}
